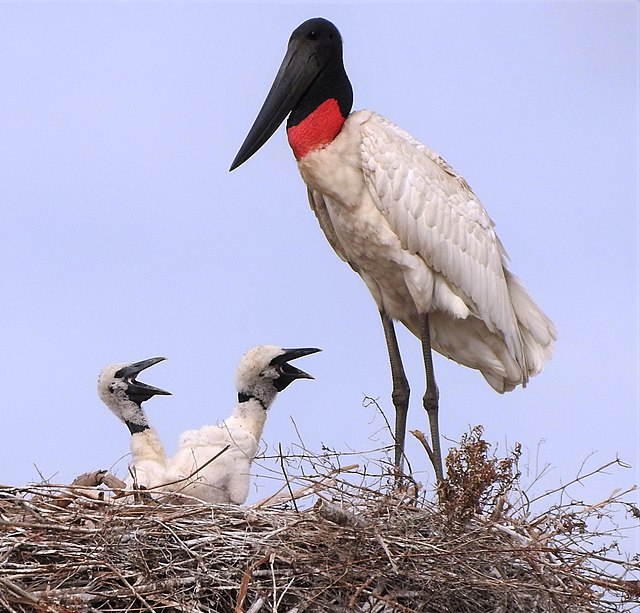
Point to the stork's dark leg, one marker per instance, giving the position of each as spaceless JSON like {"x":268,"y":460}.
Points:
{"x":430,"y":399}
{"x":400,"y":393}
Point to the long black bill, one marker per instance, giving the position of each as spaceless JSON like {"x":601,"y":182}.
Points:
{"x":136,"y":390}
{"x":291,"y":373}
{"x":299,"y":68}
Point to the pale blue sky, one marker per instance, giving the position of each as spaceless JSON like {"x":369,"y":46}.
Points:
{"x":123,"y":235}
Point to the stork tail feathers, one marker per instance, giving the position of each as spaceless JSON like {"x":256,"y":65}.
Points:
{"x":537,"y":330}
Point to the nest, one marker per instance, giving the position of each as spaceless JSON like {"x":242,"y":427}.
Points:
{"x":336,"y":538}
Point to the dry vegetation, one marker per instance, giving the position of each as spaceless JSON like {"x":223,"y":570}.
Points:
{"x":335,"y":538}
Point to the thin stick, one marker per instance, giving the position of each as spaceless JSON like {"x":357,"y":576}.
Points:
{"x":423,"y":440}
{"x":286,"y":477}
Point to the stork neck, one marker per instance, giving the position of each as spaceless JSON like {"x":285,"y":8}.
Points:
{"x":250,"y":415}
{"x":135,"y":428}
{"x":134,"y":417}
{"x":242,"y":398}
{"x":319,"y":115}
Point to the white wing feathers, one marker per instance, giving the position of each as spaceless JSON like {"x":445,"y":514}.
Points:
{"x":446,"y":254}
{"x":191,"y":470}
{"x":321,"y":211}
{"x":436,"y":216}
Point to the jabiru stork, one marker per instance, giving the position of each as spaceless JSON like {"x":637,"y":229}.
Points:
{"x":262,"y":373}
{"x":123,"y":394}
{"x":408,"y":224}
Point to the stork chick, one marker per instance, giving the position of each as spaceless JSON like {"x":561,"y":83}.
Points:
{"x":123,"y":394}
{"x":262,"y":373}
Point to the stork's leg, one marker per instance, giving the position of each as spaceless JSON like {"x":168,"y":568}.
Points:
{"x":430,"y":399}
{"x":400,"y":393}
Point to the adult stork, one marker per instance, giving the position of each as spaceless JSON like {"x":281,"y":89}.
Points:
{"x":408,"y":224}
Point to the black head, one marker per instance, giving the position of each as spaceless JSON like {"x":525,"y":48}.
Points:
{"x":311,"y":72}
{"x":321,"y":38}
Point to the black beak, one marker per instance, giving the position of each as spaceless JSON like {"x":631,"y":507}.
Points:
{"x":291,"y":373}
{"x":136,"y":390}
{"x":300,"y":66}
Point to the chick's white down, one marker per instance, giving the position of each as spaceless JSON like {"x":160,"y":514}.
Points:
{"x":213,"y":462}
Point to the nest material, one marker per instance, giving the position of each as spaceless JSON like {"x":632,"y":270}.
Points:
{"x":368,"y":550}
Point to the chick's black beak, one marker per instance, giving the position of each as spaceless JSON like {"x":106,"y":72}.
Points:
{"x":288,"y":372}
{"x":299,"y":68}
{"x":136,"y":390}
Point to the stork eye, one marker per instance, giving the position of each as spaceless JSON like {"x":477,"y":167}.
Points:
{"x":313,"y":34}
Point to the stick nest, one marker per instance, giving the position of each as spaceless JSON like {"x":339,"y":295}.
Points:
{"x":336,"y":538}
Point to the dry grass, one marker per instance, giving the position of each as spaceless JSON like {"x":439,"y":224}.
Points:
{"x":335,"y":538}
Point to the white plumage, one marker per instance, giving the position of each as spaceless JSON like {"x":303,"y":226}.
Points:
{"x":422,"y":242}
{"x":195,"y":470}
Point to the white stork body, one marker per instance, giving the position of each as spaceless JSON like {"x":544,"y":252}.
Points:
{"x":225,"y":479}
{"x":423,"y":243}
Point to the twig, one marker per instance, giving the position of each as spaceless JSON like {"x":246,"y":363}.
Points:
{"x":256,"y":606}
{"x":244,"y":583}
{"x":387,"y":552}
{"x":616,"y":462}
{"x":286,"y":477}
{"x":423,"y":440}
{"x":19,"y":591}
